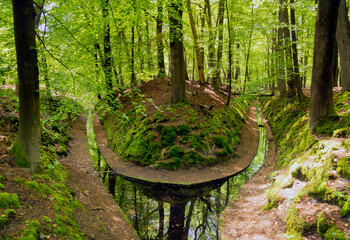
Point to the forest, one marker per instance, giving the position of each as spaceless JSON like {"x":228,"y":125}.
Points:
{"x":174,"y":119}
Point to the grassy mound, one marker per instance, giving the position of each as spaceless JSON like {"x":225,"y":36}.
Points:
{"x":172,"y":136}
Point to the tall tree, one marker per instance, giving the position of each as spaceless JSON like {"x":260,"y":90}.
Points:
{"x":229,"y":56}
{"x":160,"y":46}
{"x":177,"y":64}
{"x":211,"y":43}
{"x":196,"y":45}
{"x":220,"y":23}
{"x":321,"y":82}
{"x":296,"y":74}
{"x":281,"y":81}
{"x":26,"y":146}
{"x":107,"y":50}
{"x":343,"y":41}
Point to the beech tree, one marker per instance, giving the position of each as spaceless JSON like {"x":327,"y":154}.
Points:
{"x":323,"y":61}
{"x":343,"y":42}
{"x":26,"y":147}
{"x":176,"y":52}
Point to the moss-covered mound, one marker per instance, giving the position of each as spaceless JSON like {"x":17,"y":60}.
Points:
{"x":173,"y":135}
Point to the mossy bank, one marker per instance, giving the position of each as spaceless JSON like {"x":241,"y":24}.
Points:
{"x":314,"y":167}
{"x":39,"y":206}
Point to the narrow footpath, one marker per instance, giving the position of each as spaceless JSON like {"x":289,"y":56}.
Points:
{"x":245,"y":219}
{"x":101,"y":218}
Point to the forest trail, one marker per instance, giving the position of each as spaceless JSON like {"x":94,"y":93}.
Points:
{"x":102,"y":217}
{"x":245,"y":219}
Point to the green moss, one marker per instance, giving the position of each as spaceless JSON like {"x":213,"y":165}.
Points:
{"x":343,"y":167}
{"x":334,"y":233}
{"x":196,"y":142}
{"x":273,"y":202}
{"x":322,"y":224}
{"x":21,"y":157}
{"x":7,"y":216}
{"x":167,"y":136}
{"x":32,"y":230}
{"x":9,"y":200}
{"x":2,"y":187}
{"x":176,"y":151}
{"x":193,"y":157}
{"x":295,"y":224}
{"x":345,"y":209}
{"x":183,"y":130}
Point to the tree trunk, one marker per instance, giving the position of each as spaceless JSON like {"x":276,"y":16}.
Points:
{"x":132,"y":66}
{"x":246,"y":75}
{"x":160,"y":47}
{"x":217,"y":78}
{"x":176,"y":52}
{"x":177,"y":221}
{"x":26,"y":147}
{"x":211,"y":45}
{"x":229,"y":73}
{"x":281,"y":80}
{"x":343,"y":40}
{"x":321,"y":105}
{"x":296,"y":74}
{"x":196,"y":46}
{"x":107,"y":51}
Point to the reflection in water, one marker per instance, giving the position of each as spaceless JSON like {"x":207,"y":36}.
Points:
{"x":173,"y":212}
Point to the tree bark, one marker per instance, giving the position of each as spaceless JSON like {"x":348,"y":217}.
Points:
{"x":229,"y":73}
{"x":160,"y":46}
{"x":107,"y":51}
{"x":132,"y":66}
{"x":211,"y":45}
{"x":321,"y":82}
{"x":246,"y":75}
{"x":343,"y":41}
{"x":196,"y":46}
{"x":26,"y":147}
{"x":281,"y":80}
{"x":220,"y":20}
{"x":176,"y":52}
{"x":296,"y":73}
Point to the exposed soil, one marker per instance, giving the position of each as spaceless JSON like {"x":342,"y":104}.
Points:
{"x":102,"y":217}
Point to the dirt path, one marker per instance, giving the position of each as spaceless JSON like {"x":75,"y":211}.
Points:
{"x":245,"y":219}
{"x":102,"y":218}
{"x":244,"y":154}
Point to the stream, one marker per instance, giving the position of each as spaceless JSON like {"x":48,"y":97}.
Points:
{"x":169,"y":211}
